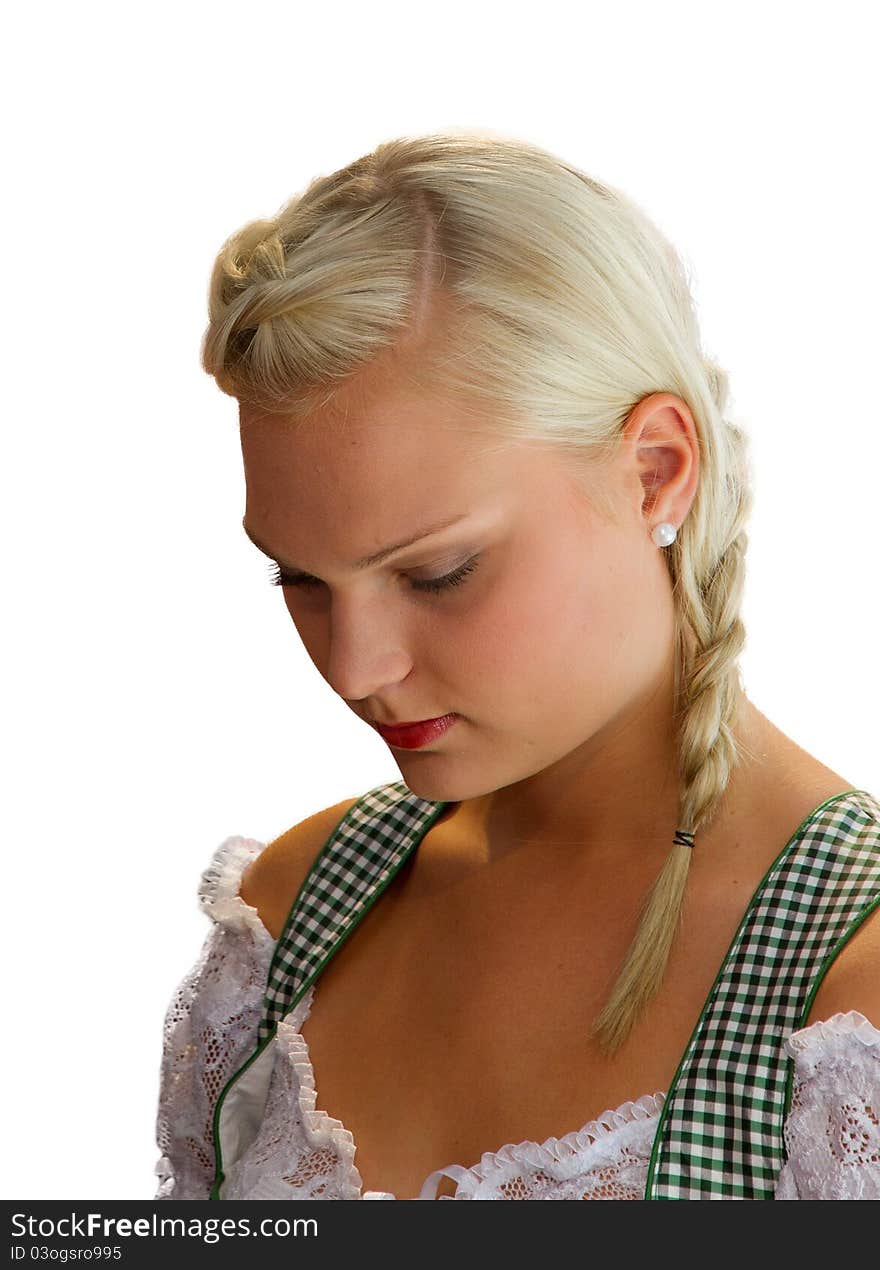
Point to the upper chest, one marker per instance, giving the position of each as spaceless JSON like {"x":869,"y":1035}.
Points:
{"x":455,"y":1017}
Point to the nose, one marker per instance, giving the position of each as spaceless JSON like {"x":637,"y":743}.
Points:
{"x":368,"y":650}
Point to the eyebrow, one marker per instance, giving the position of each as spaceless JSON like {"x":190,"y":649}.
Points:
{"x":365,"y":562}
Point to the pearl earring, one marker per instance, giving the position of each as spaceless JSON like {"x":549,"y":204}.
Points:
{"x":664,"y":534}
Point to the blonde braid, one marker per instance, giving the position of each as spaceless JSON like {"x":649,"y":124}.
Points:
{"x":709,"y":638}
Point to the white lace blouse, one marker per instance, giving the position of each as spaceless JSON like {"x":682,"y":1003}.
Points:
{"x":288,"y":1148}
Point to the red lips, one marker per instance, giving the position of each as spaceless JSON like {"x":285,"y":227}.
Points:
{"x":412,"y":736}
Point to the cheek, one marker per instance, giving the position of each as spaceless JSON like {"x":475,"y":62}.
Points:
{"x":533,"y":624}
{"x":561,"y":627}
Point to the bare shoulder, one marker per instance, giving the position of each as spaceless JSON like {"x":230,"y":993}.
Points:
{"x":271,"y":882}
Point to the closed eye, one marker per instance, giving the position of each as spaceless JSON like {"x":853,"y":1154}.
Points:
{"x":434,"y":585}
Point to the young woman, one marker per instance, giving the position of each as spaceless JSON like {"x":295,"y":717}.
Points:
{"x":612,"y":934}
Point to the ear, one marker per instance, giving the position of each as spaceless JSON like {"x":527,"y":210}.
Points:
{"x":665,"y":446}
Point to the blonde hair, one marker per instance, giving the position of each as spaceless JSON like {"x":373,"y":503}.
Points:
{"x":488,"y":269}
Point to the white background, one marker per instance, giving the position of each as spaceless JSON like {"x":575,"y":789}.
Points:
{"x":156,"y":696}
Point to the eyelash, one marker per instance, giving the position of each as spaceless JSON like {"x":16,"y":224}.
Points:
{"x":431,"y":585}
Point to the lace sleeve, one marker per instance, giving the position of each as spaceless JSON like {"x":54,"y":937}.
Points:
{"x":209,"y":1024}
{"x":832,"y":1134}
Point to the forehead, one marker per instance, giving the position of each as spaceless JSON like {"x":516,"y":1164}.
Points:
{"x":401,"y":448}
{"x":339,"y":484}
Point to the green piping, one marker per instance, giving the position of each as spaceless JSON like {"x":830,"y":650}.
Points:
{"x":219,"y":1176}
{"x":667,"y":1103}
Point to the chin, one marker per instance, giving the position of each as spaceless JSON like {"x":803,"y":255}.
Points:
{"x":439,"y":789}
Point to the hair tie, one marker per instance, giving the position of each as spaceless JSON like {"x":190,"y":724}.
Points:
{"x":683,"y":838}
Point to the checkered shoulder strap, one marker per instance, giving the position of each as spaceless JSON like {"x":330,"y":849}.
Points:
{"x":720,"y":1134}
{"x":360,"y":858}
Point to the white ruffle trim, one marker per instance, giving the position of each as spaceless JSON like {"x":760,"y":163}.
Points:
{"x":321,"y":1129}
{"x":556,"y":1151}
{"x":220,"y":882}
{"x":826,"y":1032}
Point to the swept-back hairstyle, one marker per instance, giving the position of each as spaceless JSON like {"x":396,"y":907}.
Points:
{"x":551,"y":299}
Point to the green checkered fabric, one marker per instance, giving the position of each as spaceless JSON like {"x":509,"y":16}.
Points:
{"x":720,"y":1131}
{"x":372,"y":841}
